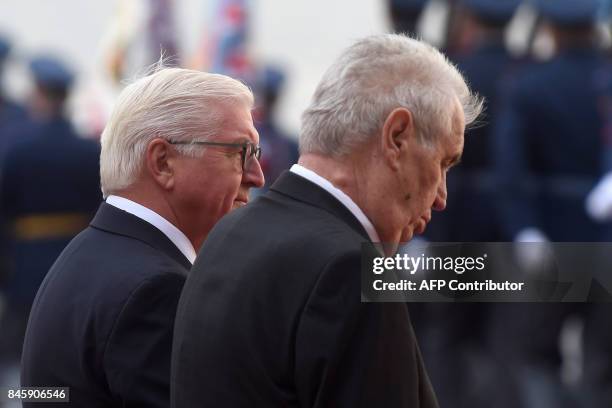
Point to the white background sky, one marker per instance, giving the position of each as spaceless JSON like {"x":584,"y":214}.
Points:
{"x":302,"y":35}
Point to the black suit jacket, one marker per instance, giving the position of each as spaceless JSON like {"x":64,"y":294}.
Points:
{"x":271,"y":315}
{"x":102,"y":320}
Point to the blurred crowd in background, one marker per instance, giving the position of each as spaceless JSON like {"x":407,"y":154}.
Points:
{"x":534,"y":170}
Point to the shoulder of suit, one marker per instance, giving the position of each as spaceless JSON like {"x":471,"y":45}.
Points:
{"x":118,"y":257}
{"x":299,"y":223}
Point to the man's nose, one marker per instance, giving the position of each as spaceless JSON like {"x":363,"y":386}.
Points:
{"x":253,"y":175}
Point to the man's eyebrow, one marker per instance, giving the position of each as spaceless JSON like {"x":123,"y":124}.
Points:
{"x":247,"y":136}
{"x":241,"y":139}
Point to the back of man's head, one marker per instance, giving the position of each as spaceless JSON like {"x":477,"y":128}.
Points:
{"x":370,"y":79}
{"x":172,"y":103}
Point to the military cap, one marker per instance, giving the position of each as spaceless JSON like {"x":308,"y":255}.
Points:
{"x":272,"y":79}
{"x":408,"y":5}
{"x":51,"y":73}
{"x":569,"y":12}
{"x":496,"y":11}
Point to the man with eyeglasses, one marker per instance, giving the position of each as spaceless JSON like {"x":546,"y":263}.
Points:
{"x":179,"y":152}
{"x":271,"y":314}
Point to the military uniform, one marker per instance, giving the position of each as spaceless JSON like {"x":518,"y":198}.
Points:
{"x":453,"y":335}
{"x":405,"y":15}
{"x":11,"y":114}
{"x":548,"y":144}
{"x":12,"y":120}
{"x":280,"y":150}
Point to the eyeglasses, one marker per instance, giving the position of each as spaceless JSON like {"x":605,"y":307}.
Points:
{"x":248,"y":152}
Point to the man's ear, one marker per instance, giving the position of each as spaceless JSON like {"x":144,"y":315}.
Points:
{"x":397,"y":131}
{"x":160,"y":160}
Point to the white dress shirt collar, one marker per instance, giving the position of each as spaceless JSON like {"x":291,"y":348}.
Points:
{"x":340,"y":196}
{"x":174,"y":234}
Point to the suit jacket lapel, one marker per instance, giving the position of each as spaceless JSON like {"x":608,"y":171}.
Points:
{"x":299,"y":188}
{"x":112,"y":219}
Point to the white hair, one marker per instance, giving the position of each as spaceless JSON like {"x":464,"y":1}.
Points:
{"x":172,"y":103}
{"x":372,"y":78}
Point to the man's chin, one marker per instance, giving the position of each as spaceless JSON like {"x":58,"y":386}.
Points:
{"x":407,"y":234}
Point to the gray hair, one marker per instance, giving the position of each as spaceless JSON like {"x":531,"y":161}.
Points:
{"x":370,"y":79}
{"x":171,"y":103}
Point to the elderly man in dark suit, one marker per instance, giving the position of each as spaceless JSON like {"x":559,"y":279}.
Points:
{"x":271,"y":315}
{"x":180,"y":151}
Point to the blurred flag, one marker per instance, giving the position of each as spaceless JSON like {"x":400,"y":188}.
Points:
{"x":162,"y":32}
{"x":141,"y":31}
{"x":224,"y":46}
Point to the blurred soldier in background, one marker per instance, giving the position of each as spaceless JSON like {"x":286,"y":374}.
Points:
{"x":281,"y":149}
{"x":11,"y":117}
{"x":548,"y":142}
{"x":596,"y":386}
{"x":551,"y":131}
{"x":48,"y":192}
{"x":453,"y":335}
{"x":405,"y":15}
{"x":11,"y":114}
{"x":486,"y":63}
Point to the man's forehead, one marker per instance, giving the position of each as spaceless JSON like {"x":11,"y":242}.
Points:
{"x":457,"y":138}
{"x":455,"y":146}
{"x":237,"y":124}
{"x":450,"y":145}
